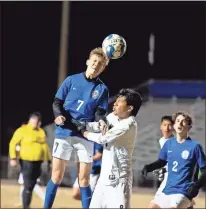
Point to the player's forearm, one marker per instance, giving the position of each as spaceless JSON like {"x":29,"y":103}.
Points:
{"x":202,"y":179}
{"x":156,"y":165}
{"x":57,"y":107}
{"x":95,"y":137}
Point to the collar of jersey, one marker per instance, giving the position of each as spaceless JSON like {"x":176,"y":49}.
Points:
{"x":31,"y":127}
{"x":90,"y":80}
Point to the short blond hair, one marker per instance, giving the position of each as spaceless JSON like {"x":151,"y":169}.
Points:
{"x":188,"y":118}
{"x":99,"y":51}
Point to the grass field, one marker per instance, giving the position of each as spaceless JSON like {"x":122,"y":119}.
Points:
{"x":10,"y":198}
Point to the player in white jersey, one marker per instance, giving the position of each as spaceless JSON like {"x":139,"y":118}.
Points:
{"x":114,"y":187}
{"x":166,"y":128}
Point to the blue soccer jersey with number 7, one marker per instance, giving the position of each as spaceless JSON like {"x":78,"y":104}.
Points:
{"x":182,"y":160}
{"x":81,"y":98}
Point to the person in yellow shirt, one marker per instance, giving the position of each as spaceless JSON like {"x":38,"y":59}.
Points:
{"x":34,"y":150}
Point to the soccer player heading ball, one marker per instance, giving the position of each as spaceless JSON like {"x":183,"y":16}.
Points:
{"x":82,"y":97}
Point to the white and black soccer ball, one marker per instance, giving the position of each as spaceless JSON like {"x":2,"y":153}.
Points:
{"x":114,"y":46}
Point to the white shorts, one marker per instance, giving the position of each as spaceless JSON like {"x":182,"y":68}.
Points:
{"x":172,"y":200}
{"x":118,"y":196}
{"x":21,"y":179}
{"x":93,"y":181}
{"x":162,"y":186}
{"x":63,"y":148}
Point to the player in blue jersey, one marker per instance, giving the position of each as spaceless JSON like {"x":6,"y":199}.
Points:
{"x":82,"y":97}
{"x":182,"y":154}
{"x":95,"y":172}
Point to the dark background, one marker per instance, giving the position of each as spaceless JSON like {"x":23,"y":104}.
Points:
{"x":30,"y":40}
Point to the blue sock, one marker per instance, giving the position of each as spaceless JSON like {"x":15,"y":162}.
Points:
{"x":51,"y":190}
{"x":86,"y":195}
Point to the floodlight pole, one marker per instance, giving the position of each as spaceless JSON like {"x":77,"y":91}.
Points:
{"x":64,"y":36}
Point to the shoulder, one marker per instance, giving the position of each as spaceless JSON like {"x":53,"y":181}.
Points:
{"x":21,"y":129}
{"x":74,"y":77}
{"x":129,"y":123}
{"x":195,"y":144}
{"x":100,"y":82}
{"x":170,"y":141}
{"x":41,"y":130}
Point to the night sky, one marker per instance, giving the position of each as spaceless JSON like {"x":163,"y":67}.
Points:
{"x":30,"y":40}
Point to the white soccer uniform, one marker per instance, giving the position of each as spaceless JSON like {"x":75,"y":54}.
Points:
{"x":114,"y":187}
{"x":173,"y":200}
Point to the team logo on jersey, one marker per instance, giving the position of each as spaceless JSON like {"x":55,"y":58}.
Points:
{"x":185,"y":154}
{"x":95,"y":94}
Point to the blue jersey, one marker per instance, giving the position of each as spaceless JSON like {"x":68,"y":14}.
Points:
{"x":96,"y":165}
{"x":81,"y":98}
{"x":182,"y":159}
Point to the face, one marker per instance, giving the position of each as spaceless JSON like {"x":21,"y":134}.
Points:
{"x":167,"y":128}
{"x":181,"y":126}
{"x":121,"y":108}
{"x":95,"y":65}
{"x":34,"y":122}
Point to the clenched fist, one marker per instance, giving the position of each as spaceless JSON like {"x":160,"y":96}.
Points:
{"x":60,"y":120}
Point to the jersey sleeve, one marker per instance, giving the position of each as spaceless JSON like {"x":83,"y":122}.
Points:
{"x":64,"y":89}
{"x":114,"y":133}
{"x":16,"y":139}
{"x":200,"y":156}
{"x":163,"y":152}
{"x":103,"y":103}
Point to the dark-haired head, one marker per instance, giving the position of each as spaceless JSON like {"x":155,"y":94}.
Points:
{"x":168,"y":118}
{"x":35,"y":119}
{"x":128,"y":103}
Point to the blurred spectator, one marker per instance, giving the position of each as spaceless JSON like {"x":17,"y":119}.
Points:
{"x":33,"y":151}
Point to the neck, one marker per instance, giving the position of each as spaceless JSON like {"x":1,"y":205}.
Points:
{"x":181,"y":138}
{"x":87,"y":76}
{"x":166,"y":137}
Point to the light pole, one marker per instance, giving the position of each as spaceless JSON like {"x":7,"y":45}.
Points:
{"x":64,"y":36}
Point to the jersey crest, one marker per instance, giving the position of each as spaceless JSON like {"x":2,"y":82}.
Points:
{"x":95,"y":94}
{"x":185,"y":154}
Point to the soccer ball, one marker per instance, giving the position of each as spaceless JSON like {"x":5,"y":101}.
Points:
{"x":114,"y":46}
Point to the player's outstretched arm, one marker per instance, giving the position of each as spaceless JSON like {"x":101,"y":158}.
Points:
{"x":113,"y":134}
{"x":153,"y":166}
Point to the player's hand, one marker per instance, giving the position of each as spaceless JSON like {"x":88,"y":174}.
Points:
{"x":13,"y":162}
{"x":60,"y":120}
{"x":103,"y":127}
{"x":144,"y":171}
{"x":160,"y":173}
{"x":81,"y":126}
{"x":192,"y":191}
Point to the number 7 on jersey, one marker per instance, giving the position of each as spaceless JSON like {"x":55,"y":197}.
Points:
{"x":80,"y":102}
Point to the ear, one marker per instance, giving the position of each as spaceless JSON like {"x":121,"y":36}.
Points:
{"x":130,"y":108}
{"x":87,"y":62}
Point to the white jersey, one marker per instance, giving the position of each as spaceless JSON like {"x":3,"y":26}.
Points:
{"x":114,"y":187}
{"x":163,"y":184}
{"x":118,"y":143}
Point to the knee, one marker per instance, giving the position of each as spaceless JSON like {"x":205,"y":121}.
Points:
{"x":84,"y":181}
{"x":76,"y":193}
{"x":57,"y":176}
